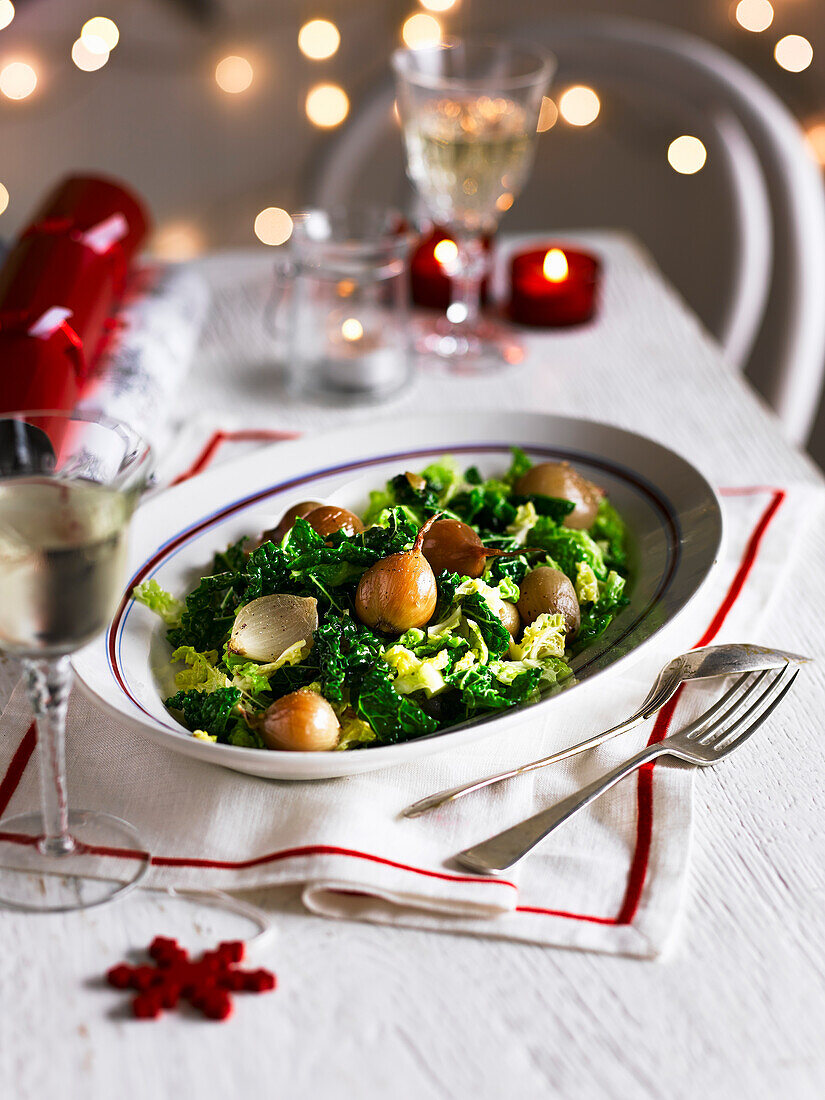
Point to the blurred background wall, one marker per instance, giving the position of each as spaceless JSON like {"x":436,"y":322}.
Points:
{"x":208,"y":160}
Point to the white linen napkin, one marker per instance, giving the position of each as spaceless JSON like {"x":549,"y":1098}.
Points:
{"x":609,"y":880}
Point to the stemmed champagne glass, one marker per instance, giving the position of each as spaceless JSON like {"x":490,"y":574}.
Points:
{"x":68,"y":485}
{"x":469,"y":111}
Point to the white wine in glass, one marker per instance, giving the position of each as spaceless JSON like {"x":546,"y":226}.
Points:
{"x":68,"y":485}
{"x":469,"y":111}
{"x":465,"y":154}
{"x":62,"y":560}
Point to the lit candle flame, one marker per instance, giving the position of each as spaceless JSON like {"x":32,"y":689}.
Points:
{"x":446,"y":252}
{"x":555,"y":267}
{"x":352,"y":329}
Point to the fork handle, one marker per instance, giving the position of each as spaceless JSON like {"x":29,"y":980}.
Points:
{"x":433,"y":801}
{"x":501,"y":851}
{"x":665,"y":687}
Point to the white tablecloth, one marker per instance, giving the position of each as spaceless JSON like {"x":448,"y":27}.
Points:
{"x":361,"y":1010}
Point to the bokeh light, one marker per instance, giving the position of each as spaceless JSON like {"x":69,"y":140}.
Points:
{"x":87,"y":56}
{"x":318,"y":39}
{"x":93,"y":43}
{"x":548,"y":115}
{"x":327,"y":105}
{"x":754,"y":15}
{"x":181,"y":240}
{"x":17,"y":80}
{"x":4,"y":198}
{"x":504,"y":201}
{"x":446,"y":252}
{"x":420,"y":31}
{"x":438,"y":5}
{"x":555,"y":267}
{"x":794,"y":53}
{"x":273,"y":225}
{"x":352,"y":329}
{"x":233,"y":74}
{"x":815,"y":136}
{"x":686,"y":154}
{"x":104,"y":29}
{"x":6,"y":13}
{"x":579,"y":105}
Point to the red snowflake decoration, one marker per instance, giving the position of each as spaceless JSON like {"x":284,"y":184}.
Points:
{"x":206,"y":983}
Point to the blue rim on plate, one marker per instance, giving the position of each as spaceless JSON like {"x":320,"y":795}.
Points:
{"x":672,"y":554}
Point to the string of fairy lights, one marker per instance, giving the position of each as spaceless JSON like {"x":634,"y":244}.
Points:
{"x":327,"y":104}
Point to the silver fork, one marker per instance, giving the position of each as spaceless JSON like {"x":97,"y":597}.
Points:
{"x":696,"y":664}
{"x":711,"y":737}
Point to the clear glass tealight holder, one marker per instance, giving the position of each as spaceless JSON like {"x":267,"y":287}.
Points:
{"x":342,"y":306}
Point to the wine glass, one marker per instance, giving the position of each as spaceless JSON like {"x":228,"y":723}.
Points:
{"x":469,"y":111}
{"x":68,"y":485}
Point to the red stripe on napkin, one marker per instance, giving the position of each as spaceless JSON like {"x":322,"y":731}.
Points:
{"x":315,"y":850}
{"x":744,"y":569}
{"x":217,"y":440}
{"x":644,"y":817}
{"x":567,"y":916}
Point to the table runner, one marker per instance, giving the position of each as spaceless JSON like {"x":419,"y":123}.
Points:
{"x":611,"y":880}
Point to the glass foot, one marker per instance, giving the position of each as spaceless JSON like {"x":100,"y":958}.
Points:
{"x":107,"y":858}
{"x":486,"y":346}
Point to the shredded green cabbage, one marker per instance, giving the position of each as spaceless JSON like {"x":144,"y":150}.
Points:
{"x":543,"y":638}
{"x":158,"y":600}
{"x":587,"y":586}
{"x":201,"y":673}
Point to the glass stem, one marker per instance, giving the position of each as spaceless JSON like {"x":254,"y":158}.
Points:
{"x":470,"y":269}
{"x":49,"y":683}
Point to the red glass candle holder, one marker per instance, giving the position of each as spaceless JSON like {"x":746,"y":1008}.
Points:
{"x":553,"y":286}
{"x":429,"y":278}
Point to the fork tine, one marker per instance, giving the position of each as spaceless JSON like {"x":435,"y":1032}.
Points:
{"x":723,"y":728}
{"x":726,"y":746}
{"x":697,"y":727}
{"x":705,"y":727}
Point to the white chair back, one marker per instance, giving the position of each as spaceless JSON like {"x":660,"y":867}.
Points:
{"x":776,"y":187}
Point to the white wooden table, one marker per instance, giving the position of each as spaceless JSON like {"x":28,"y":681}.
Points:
{"x":737,"y":1010}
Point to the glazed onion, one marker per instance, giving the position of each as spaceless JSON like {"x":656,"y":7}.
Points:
{"x":453,"y":545}
{"x":302,"y":721}
{"x":328,"y":519}
{"x":549,"y":591}
{"x":416,"y":481}
{"x":287,"y":520}
{"x":398,"y":592}
{"x":265,"y":628}
{"x":559,"y":479}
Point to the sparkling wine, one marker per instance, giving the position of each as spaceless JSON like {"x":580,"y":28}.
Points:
{"x":62,"y":557}
{"x":468,"y":157}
